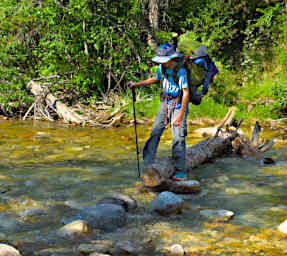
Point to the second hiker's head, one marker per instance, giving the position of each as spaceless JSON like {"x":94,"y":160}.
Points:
{"x":165,"y":53}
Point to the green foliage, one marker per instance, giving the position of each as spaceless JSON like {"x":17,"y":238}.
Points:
{"x":93,"y":47}
{"x":279,"y":93}
{"x":84,"y":43}
{"x":164,"y":37}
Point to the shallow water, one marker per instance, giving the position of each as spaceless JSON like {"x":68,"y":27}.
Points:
{"x":49,"y":170}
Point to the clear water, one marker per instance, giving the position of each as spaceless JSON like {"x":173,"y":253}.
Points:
{"x":57,"y":169}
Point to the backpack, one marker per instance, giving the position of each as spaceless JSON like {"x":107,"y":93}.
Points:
{"x":200,"y":70}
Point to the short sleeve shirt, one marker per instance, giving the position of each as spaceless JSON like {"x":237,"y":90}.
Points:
{"x":168,"y":85}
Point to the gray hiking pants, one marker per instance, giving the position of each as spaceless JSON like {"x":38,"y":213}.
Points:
{"x":178,"y":138}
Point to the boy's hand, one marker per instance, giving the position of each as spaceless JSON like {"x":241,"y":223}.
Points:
{"x":130,"y":85}
{"x":177,"y":121}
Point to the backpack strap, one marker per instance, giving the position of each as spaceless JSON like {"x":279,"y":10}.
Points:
{"x":163,"y":74}
{"x":179,"y":64}
{"x":175,"y":71}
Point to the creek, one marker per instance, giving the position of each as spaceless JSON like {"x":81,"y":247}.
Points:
{"x":48,"y":171}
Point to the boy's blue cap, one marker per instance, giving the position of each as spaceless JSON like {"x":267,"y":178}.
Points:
{"x":164,"y":53}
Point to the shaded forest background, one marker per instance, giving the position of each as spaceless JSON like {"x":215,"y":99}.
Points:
{"x":86,"y":50}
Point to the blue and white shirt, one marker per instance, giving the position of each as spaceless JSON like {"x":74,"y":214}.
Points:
{"x":169,"y":87}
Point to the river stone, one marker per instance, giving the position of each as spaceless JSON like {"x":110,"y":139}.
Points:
{"x":3,"y":237}
{"x":55,"y":252}
{"x":283,"y":227}
{"x":31,"y":212}
{"x":9,"y":224}
{"x":99,"y":254}
{"x":112,"y":200}
{"x":130,"y":201}
{"x":106,"y":217}
{"x":73,"y":204}
{"x":167,"y":203}
{"x":177,"y":250}
{"x":217,"y":215}
{"x":75,"y":229}
{"x":99,"y":246}
{"x":125,"y":247}
{"x":186,"y":186}
{"x":7,"y":250}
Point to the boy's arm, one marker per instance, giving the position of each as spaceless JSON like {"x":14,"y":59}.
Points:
{"x":184,"y":101}
{"x":148,"y":81}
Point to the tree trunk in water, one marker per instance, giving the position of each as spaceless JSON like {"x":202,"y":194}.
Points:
{"x":157,"y":175}
{"x":225,"y":141}
{"x":153,"y":21}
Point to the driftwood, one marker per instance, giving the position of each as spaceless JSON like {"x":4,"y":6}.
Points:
{"x":68,"y":114}
{"x":225,"y":141}
{"x":49,"y":107}
{"x":253,"y":147}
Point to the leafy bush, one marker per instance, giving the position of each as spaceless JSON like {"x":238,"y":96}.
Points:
{"x":90,"y":47}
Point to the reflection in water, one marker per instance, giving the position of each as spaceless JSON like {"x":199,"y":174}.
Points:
{"x":49,"y":171}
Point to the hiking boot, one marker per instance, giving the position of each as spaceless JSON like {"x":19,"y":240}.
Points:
{"x":180,"y":176}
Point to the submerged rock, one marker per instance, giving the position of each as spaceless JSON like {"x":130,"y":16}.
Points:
{"x":130,"y":201}
{"x":99,"y":246}
{"x":112,"y":200}
{"x":167,"y":203}
{"x":217,"y":215}
{"x":127,"y":202}
{"x":99,"y":254}
{"x":55,"y":252}
{"x":3,"y":237}
{"x":75,"y":229}
{"x":125,"y":248}
{"x":31,"y":212}
{"x":7,"y":250}
{"x":9,"y":223}
{"x":106,"y":217}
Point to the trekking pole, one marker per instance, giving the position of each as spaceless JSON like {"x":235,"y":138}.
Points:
{"x":135,"y":126}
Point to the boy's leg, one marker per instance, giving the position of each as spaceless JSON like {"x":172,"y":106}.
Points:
{"x":178,"y":145}
{"x":151,"y":144}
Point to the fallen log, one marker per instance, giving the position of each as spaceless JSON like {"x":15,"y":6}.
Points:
{"x":63,"y":111}
{"x":156,"y":177}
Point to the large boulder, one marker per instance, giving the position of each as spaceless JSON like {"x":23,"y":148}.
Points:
{"x":167,"y":203}
{"x":107,"y":217}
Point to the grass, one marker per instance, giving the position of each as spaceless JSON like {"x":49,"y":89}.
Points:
{"x":208,"y":108}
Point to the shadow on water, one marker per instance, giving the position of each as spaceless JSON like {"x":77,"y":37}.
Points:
{"x":50,"y":171}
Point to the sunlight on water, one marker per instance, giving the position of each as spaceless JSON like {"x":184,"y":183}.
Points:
{"x":59,"y":169}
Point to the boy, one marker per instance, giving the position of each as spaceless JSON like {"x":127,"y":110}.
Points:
{"x":173,"y":109}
